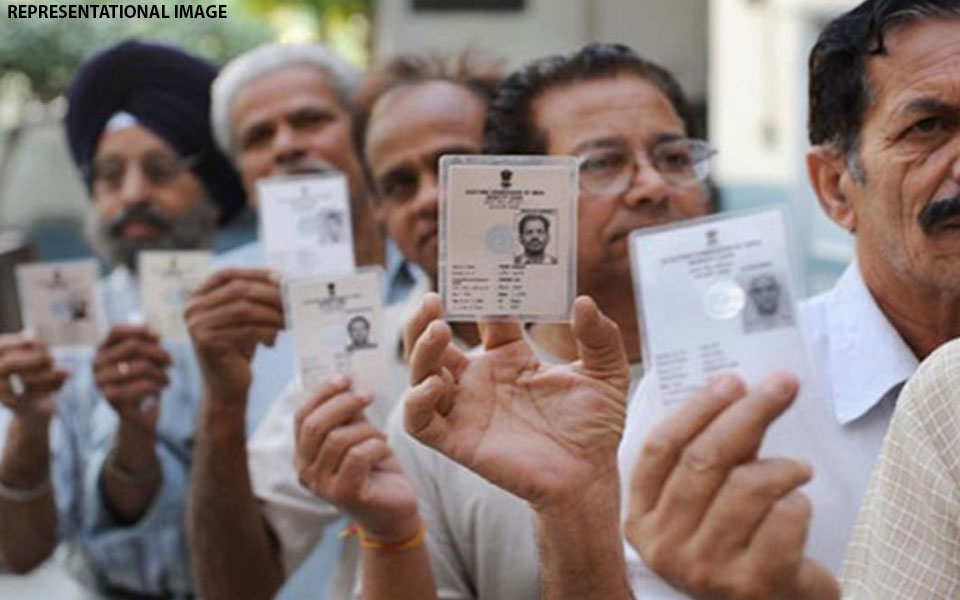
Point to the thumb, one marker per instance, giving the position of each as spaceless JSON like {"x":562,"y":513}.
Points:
{"x":598,"y":341}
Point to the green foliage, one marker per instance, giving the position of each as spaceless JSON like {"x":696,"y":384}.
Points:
{"x":48,"y":51}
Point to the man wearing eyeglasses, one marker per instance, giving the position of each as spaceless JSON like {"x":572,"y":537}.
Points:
{"x":624,"y":117}
{"x":138,"y":129}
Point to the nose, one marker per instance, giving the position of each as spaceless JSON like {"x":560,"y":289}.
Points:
{"x":287,"y":148}
{"x":135,"y":187}
{"x":648,"y":185}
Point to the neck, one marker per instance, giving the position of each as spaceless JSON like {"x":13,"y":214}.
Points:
{"x":368,"y":244}
{"x":925,"y":316}
{"x":558,"y":338}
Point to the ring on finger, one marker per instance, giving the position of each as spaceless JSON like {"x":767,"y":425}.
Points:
{"x":123,"y":367}
{"x":16,"y":383}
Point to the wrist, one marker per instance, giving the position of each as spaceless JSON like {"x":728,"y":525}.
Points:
{"x":402,"y":535}
{"x":577,"y":501}
{"x":31,"y":424}
{"x":134,"y":448}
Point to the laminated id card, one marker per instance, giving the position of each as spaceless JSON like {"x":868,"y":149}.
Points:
{"x":337,"y":325}
{"x":305,"y":224}
{"x":508,"y":237}
{"x":60,"y":303}
{"x":717,"y":295}
{"x":167,"y":278}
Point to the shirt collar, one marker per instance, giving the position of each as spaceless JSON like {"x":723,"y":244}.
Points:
{"x":401,"y":275}
{"x":867,"y":355}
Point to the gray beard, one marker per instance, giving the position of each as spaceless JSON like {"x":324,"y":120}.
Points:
{"x":194,"y":230}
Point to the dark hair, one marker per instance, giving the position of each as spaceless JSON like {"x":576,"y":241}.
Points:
{"x":358,"y":319}
{"x":840,"y":88}
{"x":466,"y":68}
{"x":510,"y":129}
{"x":531,"y":217}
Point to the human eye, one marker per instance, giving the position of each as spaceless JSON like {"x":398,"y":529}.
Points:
{"x":108,"y":172}
{"x":674,"y":157}
{"x":930,"y":127}
{"x":310,"y":118}
{"x":256,"y":136}
{"x":398,"y":186}
{"x":603,"y":162}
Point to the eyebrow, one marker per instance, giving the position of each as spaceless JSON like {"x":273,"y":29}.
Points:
{"x":619,"y":142}
{"x":927,"y":105}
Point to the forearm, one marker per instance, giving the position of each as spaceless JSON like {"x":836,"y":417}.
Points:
{"x":398,"y":574}
{"x":131,"y":475}
{"x":234,"y":553}
{"x":581,"y":549}
{"x":28,"y":529}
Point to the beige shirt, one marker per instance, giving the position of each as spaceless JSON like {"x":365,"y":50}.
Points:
{"x":906,"y":543}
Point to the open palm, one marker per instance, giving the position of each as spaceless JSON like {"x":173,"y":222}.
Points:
{"x":527,"y":427}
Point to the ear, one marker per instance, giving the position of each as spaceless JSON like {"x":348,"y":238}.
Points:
{"x":827,"y":170}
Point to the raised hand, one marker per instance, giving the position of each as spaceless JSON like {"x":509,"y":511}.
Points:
{"x":228,"y":316}
{"x":28,"y":377}
{"x":130,"y":371}
{"x":345,"y":459}
{"x":541,"y":432}
{"x":709,"y":516}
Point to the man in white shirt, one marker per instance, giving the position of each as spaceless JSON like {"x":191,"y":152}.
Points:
{"x":885,"y":120}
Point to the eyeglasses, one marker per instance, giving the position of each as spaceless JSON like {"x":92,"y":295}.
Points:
{"x":160,"y":169}
{"x":610,"y":170}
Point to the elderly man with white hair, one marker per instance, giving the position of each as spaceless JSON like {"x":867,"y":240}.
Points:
{"x":275,"y":110}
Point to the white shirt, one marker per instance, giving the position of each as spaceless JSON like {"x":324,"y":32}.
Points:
{"x":838,"y":426}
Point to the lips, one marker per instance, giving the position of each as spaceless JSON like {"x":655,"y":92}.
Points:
{"x":138,"y":230}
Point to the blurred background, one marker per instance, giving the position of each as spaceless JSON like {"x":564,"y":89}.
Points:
{"x":742,"y":63}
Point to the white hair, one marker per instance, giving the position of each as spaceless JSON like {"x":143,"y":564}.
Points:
{"x":267,"y":59}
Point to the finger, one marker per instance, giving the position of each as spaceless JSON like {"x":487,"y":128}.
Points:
{"x":224,"y":276}
{"x":121,"y":332}
{"x":599,"y":343}
{"x":430,"y":351}
{"x":666,"y":442}
{"x":779,"y":543}
{"x":18,"y":341}
{"x":34,"y":384}
{"x":331,"y":414}
{"x":128,"y":396}
{"x":22,"y":361}
{"x":359,"y":461}
{"x":495,"y":334}
{"x":745,"y":499}
{"x":128,"y":350}
{"x":421,"y":410}
{"x":245,"y":336}
{"x":334,"y":385}
{"x":266,"y":293}
{"x":732,"y":438}
{"x":429,"y":310}
{"x":239,"y":312}
{"x":340,"y":440}
{"x":135,"y":369}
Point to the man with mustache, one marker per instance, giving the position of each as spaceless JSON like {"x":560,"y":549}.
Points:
{"x":534,"y":235}
{"x":714,"y":507}
{"x":138,"y":130}
{"x":277,"y":109}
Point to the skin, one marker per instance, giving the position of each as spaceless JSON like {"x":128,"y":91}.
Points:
{"x":910,"y":151}
{"x":27,"y":529}
{"x":765,"y":292}
{"x":410,"y":129}
{"x":576,"y":117}
{"x":282,"y":122}
{"x":699,"y":496}
{"x":128,"y":146}
{"x":291,"y":118}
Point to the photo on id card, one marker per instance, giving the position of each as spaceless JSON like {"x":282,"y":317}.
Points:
{"x":337,"y":323}
{"x":717,"y":295}
{"x":167,"y":278}
{"x":59,"y":302}
{"x":508,"y":237}
{"x":305,"y":224}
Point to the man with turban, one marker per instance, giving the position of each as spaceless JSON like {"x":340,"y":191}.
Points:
{"x":112,"y":475}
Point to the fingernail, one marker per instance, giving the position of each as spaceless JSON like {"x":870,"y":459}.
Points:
{"x":778,"y":385}
{"x":339,"y":380}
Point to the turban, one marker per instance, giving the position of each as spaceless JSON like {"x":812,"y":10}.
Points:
{"x":168,"y":92}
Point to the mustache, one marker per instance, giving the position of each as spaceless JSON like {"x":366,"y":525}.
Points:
{"x":937,"y":212}
{"x":142,"y":213}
